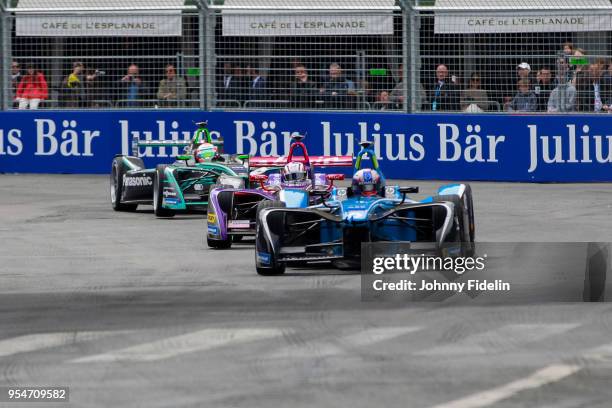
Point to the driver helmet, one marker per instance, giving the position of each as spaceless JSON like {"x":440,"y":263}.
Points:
{"x":367,"y":182}
{"x":206,"y":151}
{"x":294,"y":172}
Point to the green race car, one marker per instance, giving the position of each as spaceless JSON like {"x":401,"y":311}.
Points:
{"x":180,"y":186}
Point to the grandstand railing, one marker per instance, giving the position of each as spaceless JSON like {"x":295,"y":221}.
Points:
{"x":356,"y":55}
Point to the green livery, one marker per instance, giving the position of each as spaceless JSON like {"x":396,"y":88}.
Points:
{"x":179,"y":186}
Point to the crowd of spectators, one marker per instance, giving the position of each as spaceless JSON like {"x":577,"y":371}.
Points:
{"x":82,"y":88}
{"x":574,"y":83}
{"x":577,"y":83}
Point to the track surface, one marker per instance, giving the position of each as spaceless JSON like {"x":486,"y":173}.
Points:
{"x":132,"y":311}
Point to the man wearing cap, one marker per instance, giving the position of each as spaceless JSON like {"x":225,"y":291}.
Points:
{"x":523,"y":71}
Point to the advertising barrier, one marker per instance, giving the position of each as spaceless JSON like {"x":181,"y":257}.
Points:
{"x":526,"y":148}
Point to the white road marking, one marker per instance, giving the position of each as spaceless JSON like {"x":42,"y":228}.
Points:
{"x":541,"y":377}
{"x":323,"y":348}
{"x":34,"y":342}
{"x":503,"y":338}
{"x":601,"y":353}
{"x":187,"y":343}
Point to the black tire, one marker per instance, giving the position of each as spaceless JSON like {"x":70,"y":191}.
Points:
{"x":468,"y":204}
{"x":276,"y":268}
{"x":461,"y":224}
{"x":219,"y":243}
{"x":158,"y":188}
{"x":118,"y":169}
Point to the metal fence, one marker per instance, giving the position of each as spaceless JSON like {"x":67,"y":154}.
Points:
{"x":377,"y":55}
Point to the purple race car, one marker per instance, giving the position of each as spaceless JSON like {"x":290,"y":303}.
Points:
{"x":233,"y":209}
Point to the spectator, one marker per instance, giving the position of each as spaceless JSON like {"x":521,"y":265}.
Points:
{"x":543,"y":88}
{"x":525,"y":100}
{"x":92,"y":91}
{"x":15,"y":77}
{"x":172,"y":89}
{"x":523,"y":71}
{"x":73,"y":87}
{"x":444,"y":95}
{"x":397,"y":95}
{"x":303,"y":91}
{"x":577,"y":61}
{"x":32,"y":89}
{"x":593,"y":93}
{"x":337,"y":89}
{"x":568,"y":48}
{"x":563,"y":97}
{"x":474,"y":98}
{"x":508,"y":87}
{"x":258,"y":87}
{"x":383,"y":101}
{"x":132,"y":87}
{"x":234,"y":86}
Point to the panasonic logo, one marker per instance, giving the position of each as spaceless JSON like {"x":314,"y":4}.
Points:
{"x":137,"y":181}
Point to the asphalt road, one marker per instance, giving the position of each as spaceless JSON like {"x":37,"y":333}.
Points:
{"x":132,"y":311}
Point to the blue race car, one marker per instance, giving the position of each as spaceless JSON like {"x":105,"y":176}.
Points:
{"x":368,"y":211}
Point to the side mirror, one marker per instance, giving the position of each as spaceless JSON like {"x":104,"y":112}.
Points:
{"x":335,"y":177}
{"x":408,"y":190}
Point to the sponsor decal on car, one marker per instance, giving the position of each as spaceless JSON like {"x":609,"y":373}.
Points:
{"x":198,"y":187}
{"x":212,"y":218}
{"x":170,"y":201}
{"x":213,"y":230}
{"x":239,"y":224}
{"x":169,"y":192}
{"x":137,"y":181}
{"x":263,"y":257}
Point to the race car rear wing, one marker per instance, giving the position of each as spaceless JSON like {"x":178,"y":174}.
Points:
{"x":319,"y":161}
{"x":136,"y":143}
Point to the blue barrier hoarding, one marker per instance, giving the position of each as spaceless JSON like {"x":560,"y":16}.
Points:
{"x":540,"y":148}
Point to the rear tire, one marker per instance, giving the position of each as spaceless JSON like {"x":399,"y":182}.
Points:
{"x":118,"y":169}
{"x":158,"y":189}
{"x":276,"y":268}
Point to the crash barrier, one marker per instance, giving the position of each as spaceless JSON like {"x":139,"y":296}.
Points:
{"x":551,"y":148}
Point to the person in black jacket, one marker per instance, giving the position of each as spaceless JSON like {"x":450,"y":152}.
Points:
{"x":338,"y":92}
{"x":444,"y":95}
{"x":303,"y":91}
{"x":592,"y":90}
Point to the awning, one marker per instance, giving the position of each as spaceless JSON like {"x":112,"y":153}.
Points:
{"x":93,"y":18}
{"x":56,"y":6}
{"x":281,"y":18}
{"x":521,"y":16}
{"x":277,"y":5}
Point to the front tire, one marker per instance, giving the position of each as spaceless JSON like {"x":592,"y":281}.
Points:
{"x":118,"y":169}
{"x":461,"y":224}
{"x":158,"y":189}
{"x":275,"y":268}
